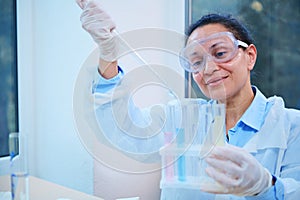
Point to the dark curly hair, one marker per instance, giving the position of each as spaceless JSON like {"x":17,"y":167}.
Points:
{"x":239,"y":31}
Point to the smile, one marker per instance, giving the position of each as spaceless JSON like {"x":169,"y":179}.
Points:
{"x":215,"y":81}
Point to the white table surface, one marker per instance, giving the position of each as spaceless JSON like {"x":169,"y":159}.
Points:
{"x":41,"y":189}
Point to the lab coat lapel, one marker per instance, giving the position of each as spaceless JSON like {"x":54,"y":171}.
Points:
{"x":272,"y":134}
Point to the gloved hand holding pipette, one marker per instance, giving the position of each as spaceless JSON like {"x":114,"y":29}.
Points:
{"x":100,"y":26}
{"x":237,"y":171}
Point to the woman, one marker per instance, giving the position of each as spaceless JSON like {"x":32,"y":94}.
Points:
{"x":260,"y":160}
{"x":261,"y":126}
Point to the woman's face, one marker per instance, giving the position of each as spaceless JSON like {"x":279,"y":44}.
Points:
{"x":222,"y":81}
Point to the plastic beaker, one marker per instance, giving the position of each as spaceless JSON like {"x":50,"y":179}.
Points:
{"x":18,"y":166}
{"x":193,"y":128}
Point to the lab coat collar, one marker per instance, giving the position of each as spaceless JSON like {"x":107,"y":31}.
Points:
{"x":273,"y":132}
{"x":254,"y":115}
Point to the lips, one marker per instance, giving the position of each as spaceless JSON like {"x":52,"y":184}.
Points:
{"x":215,"y":80}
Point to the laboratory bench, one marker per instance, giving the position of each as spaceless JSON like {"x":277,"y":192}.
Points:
{"x":42,"y":189}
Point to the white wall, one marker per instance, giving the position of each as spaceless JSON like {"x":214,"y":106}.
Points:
{"x":52,"y":48}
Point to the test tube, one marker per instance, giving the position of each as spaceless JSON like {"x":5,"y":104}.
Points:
{"x":168,"y":136}
{"x":169,"y":160}
{"x":218,"y":126}
{"x":214,"y":128}
{"x":181,"y":160}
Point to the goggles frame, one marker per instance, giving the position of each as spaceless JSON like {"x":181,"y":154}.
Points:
{"x":197,"y":67}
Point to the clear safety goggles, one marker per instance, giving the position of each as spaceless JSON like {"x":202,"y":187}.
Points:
{"x":220,"y":48}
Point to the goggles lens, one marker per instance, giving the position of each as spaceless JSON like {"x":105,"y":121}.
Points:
{"x":219,"y":47}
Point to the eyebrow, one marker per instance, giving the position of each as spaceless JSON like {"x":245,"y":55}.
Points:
{"x":203,"y":42}
{"x":215,"y":45}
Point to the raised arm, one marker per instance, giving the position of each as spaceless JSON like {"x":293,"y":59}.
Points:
{"x":100,"y":26}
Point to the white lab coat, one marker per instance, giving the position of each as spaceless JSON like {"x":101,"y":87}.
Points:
{"x":275,"y":146}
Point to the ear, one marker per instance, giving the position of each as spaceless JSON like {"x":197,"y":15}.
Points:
{"x":252,"y":55}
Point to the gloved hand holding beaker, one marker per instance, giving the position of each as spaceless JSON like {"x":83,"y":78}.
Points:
{"x":237,"y":171}
{"x":100,"y":26}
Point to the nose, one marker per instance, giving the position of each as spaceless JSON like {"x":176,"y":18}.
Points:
{"x":210,"y":66}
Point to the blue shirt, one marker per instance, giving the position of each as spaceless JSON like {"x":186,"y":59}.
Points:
{"x":268,"y":130}
{"x":251,"y":121}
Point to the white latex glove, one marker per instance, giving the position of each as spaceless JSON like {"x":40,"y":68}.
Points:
{"x":100,"y":26}
{"x":237,"y":171}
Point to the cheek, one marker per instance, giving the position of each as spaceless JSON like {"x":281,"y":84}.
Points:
{"x":198,"y":78}
{"x":217,"y":92}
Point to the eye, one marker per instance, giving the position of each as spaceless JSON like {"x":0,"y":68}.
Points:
{"x":220,"y":54}
{"x":197,"y":63}
{"x":196,"y":60}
